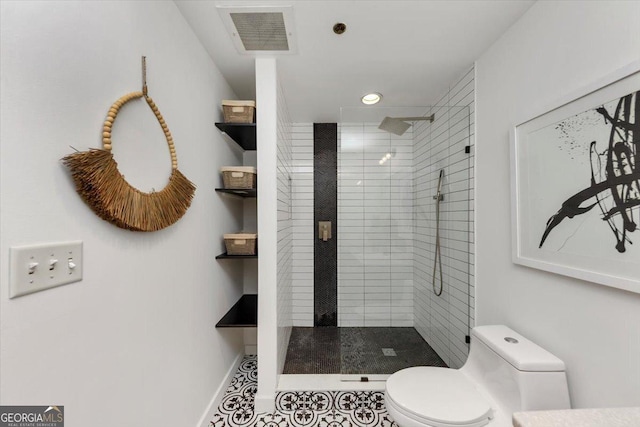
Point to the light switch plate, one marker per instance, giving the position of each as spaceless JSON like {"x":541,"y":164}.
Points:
{"x":38,"y":267}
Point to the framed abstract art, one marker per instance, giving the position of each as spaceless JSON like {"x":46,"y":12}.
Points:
{"x":576,"y":184}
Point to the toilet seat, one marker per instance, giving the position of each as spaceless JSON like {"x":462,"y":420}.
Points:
{"x":438,"y":397}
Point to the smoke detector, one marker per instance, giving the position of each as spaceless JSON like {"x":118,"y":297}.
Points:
{"x":260,"y":29}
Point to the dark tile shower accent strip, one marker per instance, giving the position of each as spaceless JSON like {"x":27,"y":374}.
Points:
{"x":325,"y":195}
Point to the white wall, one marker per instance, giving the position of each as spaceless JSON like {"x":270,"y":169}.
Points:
{"x":444,"y":320}
{"x":555,"y":49}
{"x":135,"y":340}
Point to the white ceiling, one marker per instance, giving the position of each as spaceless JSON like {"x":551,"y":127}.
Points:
{"x":410,"y":51}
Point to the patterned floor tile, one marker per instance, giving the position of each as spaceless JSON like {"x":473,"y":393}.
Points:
{"x":298,"y":408}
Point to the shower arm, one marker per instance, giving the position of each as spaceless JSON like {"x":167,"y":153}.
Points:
{"x":414,"y":119}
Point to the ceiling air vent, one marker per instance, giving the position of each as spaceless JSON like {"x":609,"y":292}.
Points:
{"x":260,"y":30}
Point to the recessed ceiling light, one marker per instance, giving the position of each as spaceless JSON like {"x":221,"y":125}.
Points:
{"x":371,"y":98}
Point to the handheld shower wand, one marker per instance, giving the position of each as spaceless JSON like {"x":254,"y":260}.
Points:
{"x":439,"y":197}
{"x":437,"y":260}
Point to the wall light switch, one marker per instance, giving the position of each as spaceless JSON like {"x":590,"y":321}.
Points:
{"x":39,"y":267}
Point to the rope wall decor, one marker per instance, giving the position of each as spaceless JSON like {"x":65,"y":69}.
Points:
{"x":112,"y":198}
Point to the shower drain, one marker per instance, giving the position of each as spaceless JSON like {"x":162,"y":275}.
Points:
{"x":389,"y":352}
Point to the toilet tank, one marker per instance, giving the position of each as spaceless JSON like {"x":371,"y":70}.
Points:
{"x":518,"y":374}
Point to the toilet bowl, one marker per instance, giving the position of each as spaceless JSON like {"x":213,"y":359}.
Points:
{"x":504,"y":373}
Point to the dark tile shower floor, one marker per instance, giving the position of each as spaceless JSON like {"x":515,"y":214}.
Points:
{"x":331,"y":350}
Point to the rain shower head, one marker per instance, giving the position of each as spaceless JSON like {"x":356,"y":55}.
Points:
{"x":395,"y":126}
{"x":399,"y":125}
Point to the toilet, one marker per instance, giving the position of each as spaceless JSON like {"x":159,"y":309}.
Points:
{"x":504,"y":373}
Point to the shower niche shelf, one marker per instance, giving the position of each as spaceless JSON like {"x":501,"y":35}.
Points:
{"x":243,"y":314}
{"x":244,"y":134}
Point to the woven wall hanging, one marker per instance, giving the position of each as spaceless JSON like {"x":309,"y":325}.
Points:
{"x":102,"y":186}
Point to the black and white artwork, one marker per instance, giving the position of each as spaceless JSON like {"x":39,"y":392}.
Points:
{"x":614,"y":181}
{"x":577,"y":187}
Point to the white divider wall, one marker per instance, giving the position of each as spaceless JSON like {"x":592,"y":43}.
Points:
{"x":274,"y":231}
{"x":267,"y":156}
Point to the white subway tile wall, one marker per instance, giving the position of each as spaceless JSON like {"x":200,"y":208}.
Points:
{"x":375,"y":225}
{"x":443,"y":321}
{"x":285,"y":229}
{"x":303,"y":227}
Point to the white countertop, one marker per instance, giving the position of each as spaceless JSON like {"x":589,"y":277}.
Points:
{"x":600,"y":417}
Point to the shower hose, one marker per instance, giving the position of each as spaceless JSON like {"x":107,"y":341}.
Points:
{"x":437,"y":260}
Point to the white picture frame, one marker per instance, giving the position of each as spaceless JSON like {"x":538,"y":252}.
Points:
{"x":572,"y":209}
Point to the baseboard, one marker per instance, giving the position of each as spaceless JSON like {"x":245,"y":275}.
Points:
{"x":219,"y":394}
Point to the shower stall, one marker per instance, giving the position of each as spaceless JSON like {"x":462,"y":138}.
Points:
{"x":403,"y":255}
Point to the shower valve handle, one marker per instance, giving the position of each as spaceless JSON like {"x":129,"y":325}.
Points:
{"x":324,"y":230}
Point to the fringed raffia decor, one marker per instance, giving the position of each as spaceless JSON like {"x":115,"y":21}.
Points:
{"x":112,"y":198}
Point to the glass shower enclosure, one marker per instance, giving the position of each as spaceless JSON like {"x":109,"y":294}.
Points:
{"x":389,"y":316}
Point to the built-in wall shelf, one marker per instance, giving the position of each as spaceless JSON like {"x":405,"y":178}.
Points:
{"x":244,"y":134}
{"x":244,"y":313}
{"x":242,"y":192}
{"x":226,"y":256}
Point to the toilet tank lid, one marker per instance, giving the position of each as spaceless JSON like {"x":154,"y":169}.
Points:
{"x":521,"y":353}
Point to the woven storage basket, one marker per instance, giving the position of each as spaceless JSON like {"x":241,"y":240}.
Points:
{"x":240,"y":243}
{"x":238,"y":111}
{"x":238,"y":176}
